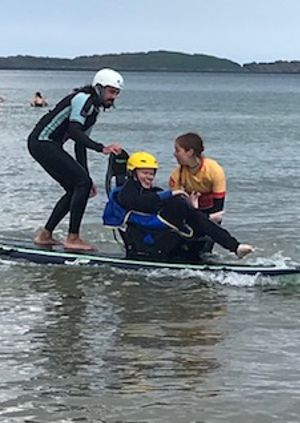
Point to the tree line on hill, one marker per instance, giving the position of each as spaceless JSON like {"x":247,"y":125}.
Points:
{"x":150,"y":61}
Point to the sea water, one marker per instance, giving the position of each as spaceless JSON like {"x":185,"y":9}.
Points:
{"x":114,"y":346}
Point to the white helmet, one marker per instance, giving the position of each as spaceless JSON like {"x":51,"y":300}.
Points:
{"x":108,"y":77}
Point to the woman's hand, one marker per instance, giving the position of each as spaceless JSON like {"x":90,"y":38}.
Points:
{"x":217,"y":216}
{"x":194,"y":198}
{"x":112,"y":148}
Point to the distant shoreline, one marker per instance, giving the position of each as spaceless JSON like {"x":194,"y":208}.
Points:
{"x":153,"y":61}
{"x":243,"y":73}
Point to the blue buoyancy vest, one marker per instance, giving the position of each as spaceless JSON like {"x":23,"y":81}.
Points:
{"x":116,"y":216}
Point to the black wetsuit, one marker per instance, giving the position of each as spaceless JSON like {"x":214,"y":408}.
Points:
{"x":176,"y":210}
{"x":71,"y":118}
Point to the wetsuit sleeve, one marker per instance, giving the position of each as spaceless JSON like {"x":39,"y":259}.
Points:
{"x":218,"y":205}
{"x":80,"y":104}
{"x":78,"y":116}
{"x":81,"y":154}
{"x":218,"y":190}
{"x":165,"y":194}
{"x":133,"y":197}
{"x":76,"y":133}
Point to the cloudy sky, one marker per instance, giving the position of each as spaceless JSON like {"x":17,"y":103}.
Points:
{"x":240,"y":30}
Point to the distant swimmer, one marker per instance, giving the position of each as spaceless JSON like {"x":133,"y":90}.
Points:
{"x":38,"y":100}
{"x":1,"y":99}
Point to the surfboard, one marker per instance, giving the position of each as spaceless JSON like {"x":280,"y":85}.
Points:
{"x":57,"y":255}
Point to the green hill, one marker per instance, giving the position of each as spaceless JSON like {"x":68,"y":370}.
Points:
{"x":150,"y":61}
{"x":279,"y":66}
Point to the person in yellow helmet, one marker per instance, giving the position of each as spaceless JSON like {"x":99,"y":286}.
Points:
{"x":139,"y":194}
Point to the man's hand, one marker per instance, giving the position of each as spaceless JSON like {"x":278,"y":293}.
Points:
{"x":93,"y":191}
{"x":112,"y":148}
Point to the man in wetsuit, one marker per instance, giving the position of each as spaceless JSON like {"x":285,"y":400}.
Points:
{"x":72,"y":118}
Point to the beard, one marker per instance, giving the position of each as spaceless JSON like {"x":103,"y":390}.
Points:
{"x":108,"y":103}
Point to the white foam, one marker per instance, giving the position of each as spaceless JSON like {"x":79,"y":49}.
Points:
{"x":199,"y":277}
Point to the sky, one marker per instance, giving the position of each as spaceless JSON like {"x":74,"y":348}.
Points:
{"x":240,"y":30}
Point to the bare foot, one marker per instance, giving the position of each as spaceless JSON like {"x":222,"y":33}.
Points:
{"x":76,"y":243}
{"x":44,"y":237}
{"x":243,"y":250}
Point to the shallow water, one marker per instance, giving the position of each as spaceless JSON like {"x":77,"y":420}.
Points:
{"x":87,"y":345}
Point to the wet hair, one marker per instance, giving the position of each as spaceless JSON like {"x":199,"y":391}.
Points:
{"x":38,"y":94}
{"x":190,"y":141}
{"x":88,"y":89}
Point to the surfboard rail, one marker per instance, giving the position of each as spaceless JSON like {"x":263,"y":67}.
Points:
{"x":27,"y":251}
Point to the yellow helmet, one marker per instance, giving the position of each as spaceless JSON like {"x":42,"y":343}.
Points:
{"x":141,"y":160}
